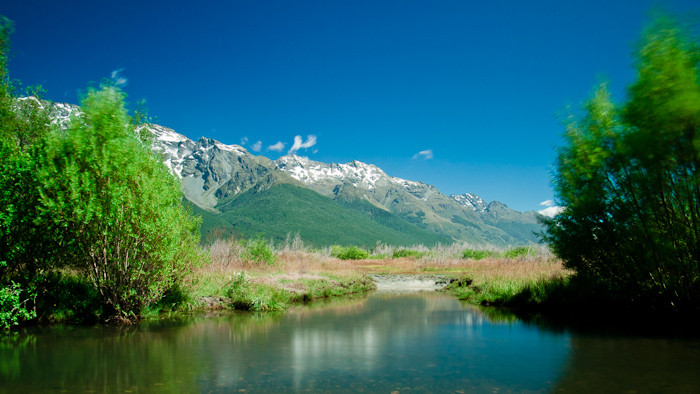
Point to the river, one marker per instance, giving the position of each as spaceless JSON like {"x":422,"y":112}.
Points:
{"x":419,"y":342}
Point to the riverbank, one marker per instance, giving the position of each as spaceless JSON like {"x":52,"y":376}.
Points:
{"x":233,"y":278}
{"x":298,"y":276}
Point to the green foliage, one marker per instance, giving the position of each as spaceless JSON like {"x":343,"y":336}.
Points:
{"x":93,"y":197}
{"x":261,"y":298}
{"x":478,"y":254}
{"x":13,"y":305}
{"x":24,"y":124}
{"x":259,"y":251}
{"x":628,"y":178}
{"x":349,"y":253}
{"x":398,"y":253}
{"x":118,"y":207}
{"x":6,"y":30}
{"x":517,"y":252}
{"x":67,"y":298}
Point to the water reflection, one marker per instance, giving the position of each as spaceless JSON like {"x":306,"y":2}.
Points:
{"x":423,"y":342}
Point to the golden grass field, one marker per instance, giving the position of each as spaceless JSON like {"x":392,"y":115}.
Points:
{"x":293,"y":263}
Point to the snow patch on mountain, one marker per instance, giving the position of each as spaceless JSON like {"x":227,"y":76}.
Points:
{"x":60,"y":112}
{"x":164,"y":134}
{"x":471,"y":201}
{"x":309,"y":172}
{"x":175,"y":147}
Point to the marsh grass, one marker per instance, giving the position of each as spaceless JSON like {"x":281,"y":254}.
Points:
{"x":297,"y":274}
{"x":301,"y":273}
{"x":508,"y":281}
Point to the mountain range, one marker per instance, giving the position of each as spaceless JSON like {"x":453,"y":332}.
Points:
{"x":325,"y":203}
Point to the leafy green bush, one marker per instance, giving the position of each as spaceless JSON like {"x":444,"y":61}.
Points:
{"x":119,"y":209}
{"x":398,"y":253}
{"x":13,"y":305}
{"x":259,"y":251}
{"x":173,"y":299}
{"x":349,"y":253}
{"x":478,"y":254}
{"x":520,"y":251}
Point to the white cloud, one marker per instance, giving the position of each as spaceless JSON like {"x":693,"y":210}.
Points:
{"x":278,"y":147}
{"x":551,"y":210}
{"x":257,"y":146}
{"x":244,"y":140}
{"x":117,"y":78}
{"x":298,"y":144}
{"x":547,"y":203}
{"x":426,"y":154}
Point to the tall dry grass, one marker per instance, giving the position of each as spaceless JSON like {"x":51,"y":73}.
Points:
{"x":293,"y":256}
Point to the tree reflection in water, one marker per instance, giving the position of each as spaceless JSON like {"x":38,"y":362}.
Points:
{"x":425,"y":342}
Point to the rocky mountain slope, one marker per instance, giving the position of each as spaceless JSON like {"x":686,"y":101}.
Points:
{"x":214,"y":175}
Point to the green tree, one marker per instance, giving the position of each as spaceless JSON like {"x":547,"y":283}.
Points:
{"x":628,"y":178}
{"x":25,"y":251}
{"x":118,"y":208}
{"x":24,"y":124}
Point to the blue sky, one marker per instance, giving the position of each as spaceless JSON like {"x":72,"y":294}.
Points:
{"x":462,"y":95}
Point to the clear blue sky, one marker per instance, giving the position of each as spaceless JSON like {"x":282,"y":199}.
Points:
{"x":477,"y":83}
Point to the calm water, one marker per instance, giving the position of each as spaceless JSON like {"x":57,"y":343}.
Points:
{"x":424,"y":342}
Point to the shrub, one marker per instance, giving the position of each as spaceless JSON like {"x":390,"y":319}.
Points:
{"x":259,"y":251}
{"x":119,"y":208}
{"x":398,"y":253}
{"x":478,"y":254}
{"x":13,"y":305}
{"x":349,"y":253}
{"x":520,"y":251}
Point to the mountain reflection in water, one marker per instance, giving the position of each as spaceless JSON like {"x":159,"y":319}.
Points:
{"x":419,"y":342}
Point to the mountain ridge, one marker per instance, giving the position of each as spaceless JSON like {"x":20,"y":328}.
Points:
{"x":214,"y":175}
{"x":213,"y":172}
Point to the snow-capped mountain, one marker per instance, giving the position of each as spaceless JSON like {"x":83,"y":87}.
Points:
{"x":213,"y":172}
{"x":214,"y":175}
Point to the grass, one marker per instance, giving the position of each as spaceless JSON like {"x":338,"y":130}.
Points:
{"x":260,"y":275}
{"x":510,"y":281}
{"x":496,"y":276}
